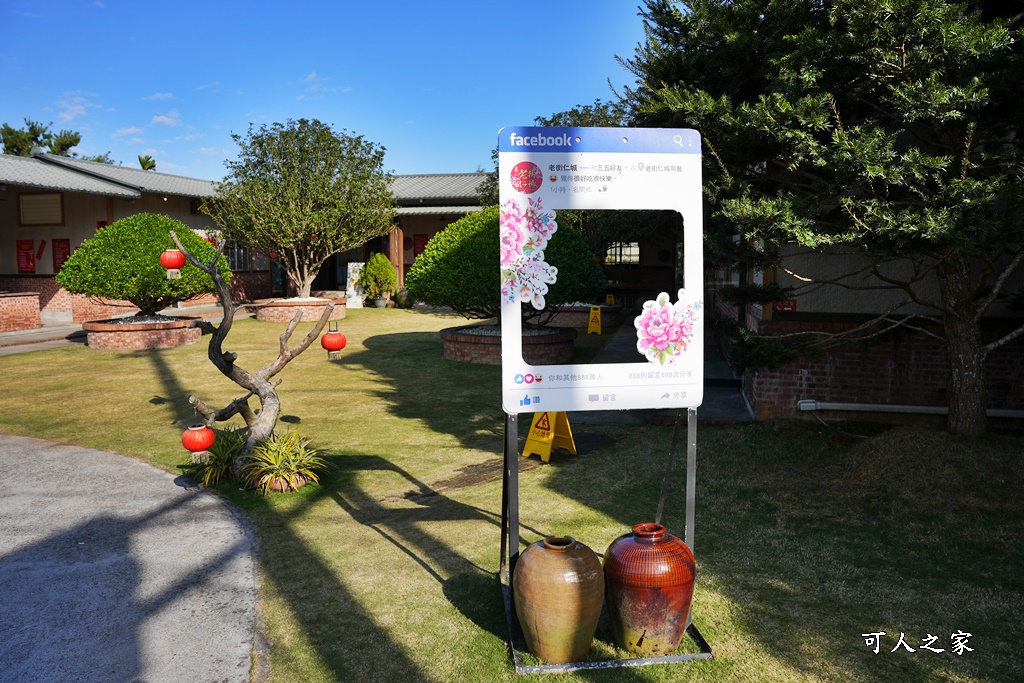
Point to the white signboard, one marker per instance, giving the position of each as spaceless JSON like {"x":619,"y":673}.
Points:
{"x":544,"y":170}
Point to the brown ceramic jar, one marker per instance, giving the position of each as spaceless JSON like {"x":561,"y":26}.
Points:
{"x":648,"y":589}
{"x":558,"y":587}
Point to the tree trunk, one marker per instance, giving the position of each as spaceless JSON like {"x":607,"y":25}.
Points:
{"x":968,"y":391}
{"x":259,"y":426}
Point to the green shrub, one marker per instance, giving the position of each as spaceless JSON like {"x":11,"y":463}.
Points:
{"x":122,"y":261}
{"x":226,"y":445}
{"x":290,"y":459}
{"x":378,"y":277}
{"x":460,"y":268}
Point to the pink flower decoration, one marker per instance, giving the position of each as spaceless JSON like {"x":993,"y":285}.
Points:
{"x":664,"y":330}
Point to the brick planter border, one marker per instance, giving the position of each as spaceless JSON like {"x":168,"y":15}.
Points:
{"x":134,"y":336}
{"x":282,"y":310}
{"x":544,"y":349}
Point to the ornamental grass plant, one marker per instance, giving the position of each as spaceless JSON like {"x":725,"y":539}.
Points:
{"x":285,"y":461}
{"x":806,"y":537}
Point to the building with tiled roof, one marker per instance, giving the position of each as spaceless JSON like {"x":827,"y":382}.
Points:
{"x":427,"y":204}
{"x":50,"y":204}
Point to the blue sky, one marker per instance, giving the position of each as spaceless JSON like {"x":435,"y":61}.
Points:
{"x":431,"y":81}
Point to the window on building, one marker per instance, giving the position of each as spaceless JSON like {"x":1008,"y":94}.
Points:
{"x":622,"y":254}
{"x":41,"y":208}
{"x":242,"y":260}
{"x":238,"y":259}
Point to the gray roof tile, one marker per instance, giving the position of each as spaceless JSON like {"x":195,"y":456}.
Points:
{"x":34,"y":173}
{"x":437,"y":210}
{"x":448,"y":187}
{"x":455,"y":191}
{"x":146,"y":181}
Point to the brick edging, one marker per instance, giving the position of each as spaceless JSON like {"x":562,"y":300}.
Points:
{"x":547,"y":349}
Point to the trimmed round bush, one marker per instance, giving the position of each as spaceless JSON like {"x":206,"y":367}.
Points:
{"x":460,"y":269}
{"x":378,"y":277}
{"x":122,"y":261}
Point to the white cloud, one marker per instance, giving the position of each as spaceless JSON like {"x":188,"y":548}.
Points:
{"x":121,"y":132}
{"x":171,"y":118}
{"x":316,"y":86}
{"x":74,"y":105}
{"x":159,"y":96}
{"x":208,"y":150}
{"x":136,"y":141}
{"x":212,"y":84}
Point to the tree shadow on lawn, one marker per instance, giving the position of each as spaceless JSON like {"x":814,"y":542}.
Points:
{"x":472,"y":589}
{"x":346,"y":637}
{"x":174,"y":395}
{"x":812,"y":558}
{"x":459,"y":399}
{"x":344,"y":633}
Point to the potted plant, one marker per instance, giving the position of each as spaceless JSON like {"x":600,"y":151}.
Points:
{"x":283,"y":463}
{"x":379,"y":279}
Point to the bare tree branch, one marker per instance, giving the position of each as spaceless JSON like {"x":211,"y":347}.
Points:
{"x":997,"y":287}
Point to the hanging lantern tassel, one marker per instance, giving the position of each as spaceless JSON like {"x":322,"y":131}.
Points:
{"x":333,"y":341}
{"x":197,"y":439}
{"x":173,"y":260}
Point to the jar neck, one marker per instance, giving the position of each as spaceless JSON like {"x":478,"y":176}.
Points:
{"x":649,"y":532}
{"x":559,"y":543}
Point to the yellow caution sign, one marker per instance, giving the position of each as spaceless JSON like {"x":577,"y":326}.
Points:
{"x":609,"y":299}
{"x":548,"y":431}
{"x":594,"y":327}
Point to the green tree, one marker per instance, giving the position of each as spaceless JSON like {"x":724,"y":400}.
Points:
{"x":887,"y":130}
{"x":147,"y":163}
{"x":460,"y":268}
{"x":122,"y":261}
{"x":306,"y":192}
{"x":20,"y":141}
{"x":599,"y":228}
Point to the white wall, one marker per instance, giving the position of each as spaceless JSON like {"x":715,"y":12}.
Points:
{"x":863,"y":293}
{"x":81,"y":213}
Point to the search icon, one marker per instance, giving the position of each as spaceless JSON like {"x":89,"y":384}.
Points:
{"x":678,"y":140}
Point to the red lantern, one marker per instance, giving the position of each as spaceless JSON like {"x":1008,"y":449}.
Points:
{"x":334,"y":342}
{"x":197,"y":438}
{"x":173,"y":260}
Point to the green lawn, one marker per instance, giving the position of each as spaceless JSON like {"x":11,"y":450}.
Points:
{"x":805,"y":539}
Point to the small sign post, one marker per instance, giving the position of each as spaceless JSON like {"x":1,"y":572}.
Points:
{"x":594,"y":326}
{"x":549,"y":431}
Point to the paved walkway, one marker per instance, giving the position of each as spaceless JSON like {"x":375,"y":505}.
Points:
{"x":114,"y":570}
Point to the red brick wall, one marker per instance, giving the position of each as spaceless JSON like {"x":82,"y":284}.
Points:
{"x":162,"y":335}
{"x":910,"y":369}
{"x":19,"y":312}
{"x":56,"y":301}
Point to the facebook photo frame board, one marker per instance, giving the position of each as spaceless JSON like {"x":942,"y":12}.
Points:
{"x":544,"y":170}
